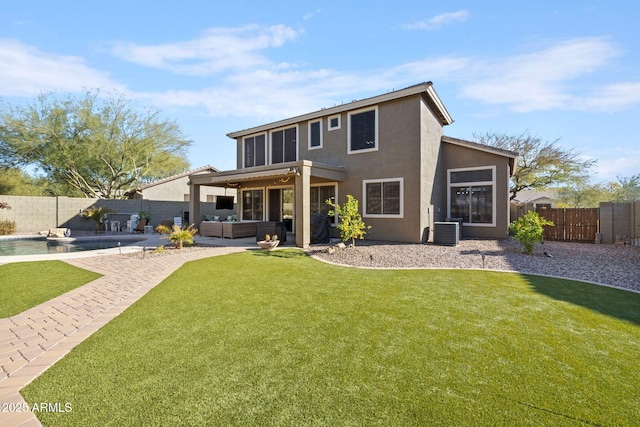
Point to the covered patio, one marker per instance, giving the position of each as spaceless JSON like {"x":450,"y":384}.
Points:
{"x":268,"y":183}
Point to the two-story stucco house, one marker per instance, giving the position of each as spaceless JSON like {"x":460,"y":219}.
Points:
{"x":387,"y":151}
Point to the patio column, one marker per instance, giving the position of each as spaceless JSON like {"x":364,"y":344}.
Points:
{"x":194,"y":205}
{"x":303,"y":206}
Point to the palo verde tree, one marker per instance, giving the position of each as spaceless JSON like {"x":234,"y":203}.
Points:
{"x":541,"y":164}
{"x":91,"y":145}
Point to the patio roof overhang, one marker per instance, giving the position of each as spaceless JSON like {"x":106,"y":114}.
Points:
{"x":234,"y":177}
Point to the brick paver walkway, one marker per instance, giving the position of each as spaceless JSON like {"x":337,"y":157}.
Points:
{"x":32,"y":341}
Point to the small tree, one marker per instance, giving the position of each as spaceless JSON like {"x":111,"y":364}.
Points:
{"x":528,"y":230}
{"x":179,"y":236}
{"x":350,"y":221}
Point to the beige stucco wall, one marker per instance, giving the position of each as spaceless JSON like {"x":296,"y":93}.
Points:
{"x":409,"y":147}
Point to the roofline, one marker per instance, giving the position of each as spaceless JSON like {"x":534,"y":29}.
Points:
{"x":511,"y":155}
{"x":426,"y":87}
{"x":176,"y":176}
{"x":481,"y":147}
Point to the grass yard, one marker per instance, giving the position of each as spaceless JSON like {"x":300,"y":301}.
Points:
{"x":24,"y":285}
{"x":277,"y":338}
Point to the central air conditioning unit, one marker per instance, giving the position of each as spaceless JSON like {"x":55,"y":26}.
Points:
{"x":446,"y":233}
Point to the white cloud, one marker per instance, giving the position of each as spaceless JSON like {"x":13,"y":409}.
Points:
{"x":218,"y":50}
{"x":26,"y":71}
{"x":438,"y":21}
{"x":543,"y":80}
{"x":611,"y":97}
{"x":271,"y":94}
{"x":612,"y":165}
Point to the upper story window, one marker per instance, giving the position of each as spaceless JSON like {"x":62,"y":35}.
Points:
{"x":315,"y":134}
{"x":334,"y":122}
{"x":284,"y":145}
{"x":362,"y":132}
{"x":254,"y":151}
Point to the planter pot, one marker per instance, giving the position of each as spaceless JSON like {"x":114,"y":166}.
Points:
{"x":268,"y":245}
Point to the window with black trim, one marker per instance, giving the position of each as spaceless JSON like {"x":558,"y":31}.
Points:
{"x":315,"y":134}
{"x":252,"y":205}
{"x":363,"y":130}
{"x":384,"y":198}
{"x":284,"y":145}
{"x":255,"y":151}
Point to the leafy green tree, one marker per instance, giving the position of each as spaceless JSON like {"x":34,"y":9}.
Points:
{"x":540,"y":164}
{"x":627,"y":189}
{"x":587,"y":195}
{"x":350,"y":221}
{"x":98,"y":146}
{"x":582,"y":195}
{"x":15,"y":182}
{"x":528,"y":230}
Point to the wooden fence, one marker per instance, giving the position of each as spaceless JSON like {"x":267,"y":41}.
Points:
{"x":571,"y":225}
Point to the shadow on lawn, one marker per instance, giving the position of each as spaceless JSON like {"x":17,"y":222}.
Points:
{"x":618,"y":303}
{"x":280,"y":253}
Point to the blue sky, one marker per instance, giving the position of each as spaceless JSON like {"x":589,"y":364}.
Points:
{"x":565,"y":70}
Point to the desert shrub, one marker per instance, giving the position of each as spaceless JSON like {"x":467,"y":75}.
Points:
{"x":528,"y":230}
{"x":7,"y":227}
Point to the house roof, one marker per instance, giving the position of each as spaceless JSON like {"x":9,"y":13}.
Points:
{"x":425,"y":88}
{"x":512,"y":155}
{"x":531,"y":196}
{"x":207,"y":168}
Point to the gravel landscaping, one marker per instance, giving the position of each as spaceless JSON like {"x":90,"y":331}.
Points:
{"x":612,"y":265}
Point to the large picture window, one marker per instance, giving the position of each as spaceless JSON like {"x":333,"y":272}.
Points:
{"x":363,"y":131}
{"x":384,"y":198}
{"x":254,"y":151}
{"x":472,"y":195}
{"x":252,"y":205}
{"x":284,"y":145}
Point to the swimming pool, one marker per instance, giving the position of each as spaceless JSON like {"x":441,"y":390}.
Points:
{"x":42,"y":245}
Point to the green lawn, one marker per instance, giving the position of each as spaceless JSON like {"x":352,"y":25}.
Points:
{"x":24,"y":285}
{"x":277,"y":338}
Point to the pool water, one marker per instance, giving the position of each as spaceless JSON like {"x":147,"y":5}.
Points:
{"x":40,"y":246}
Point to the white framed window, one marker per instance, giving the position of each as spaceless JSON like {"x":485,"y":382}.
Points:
{"x":362,"y":130}
{"x":383,"y":198}
{"x":471,"y":195}
{"x":315,"y":134}
{"x":254,"y":150}
{"x":284,"y":145}
{"x":334,"y":122}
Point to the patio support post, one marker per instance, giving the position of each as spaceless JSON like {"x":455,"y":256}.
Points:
{"x":194,"y":205}
{"x":303,"y":206}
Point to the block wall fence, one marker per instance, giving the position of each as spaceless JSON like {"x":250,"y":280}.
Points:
{"x":34,"y":214}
